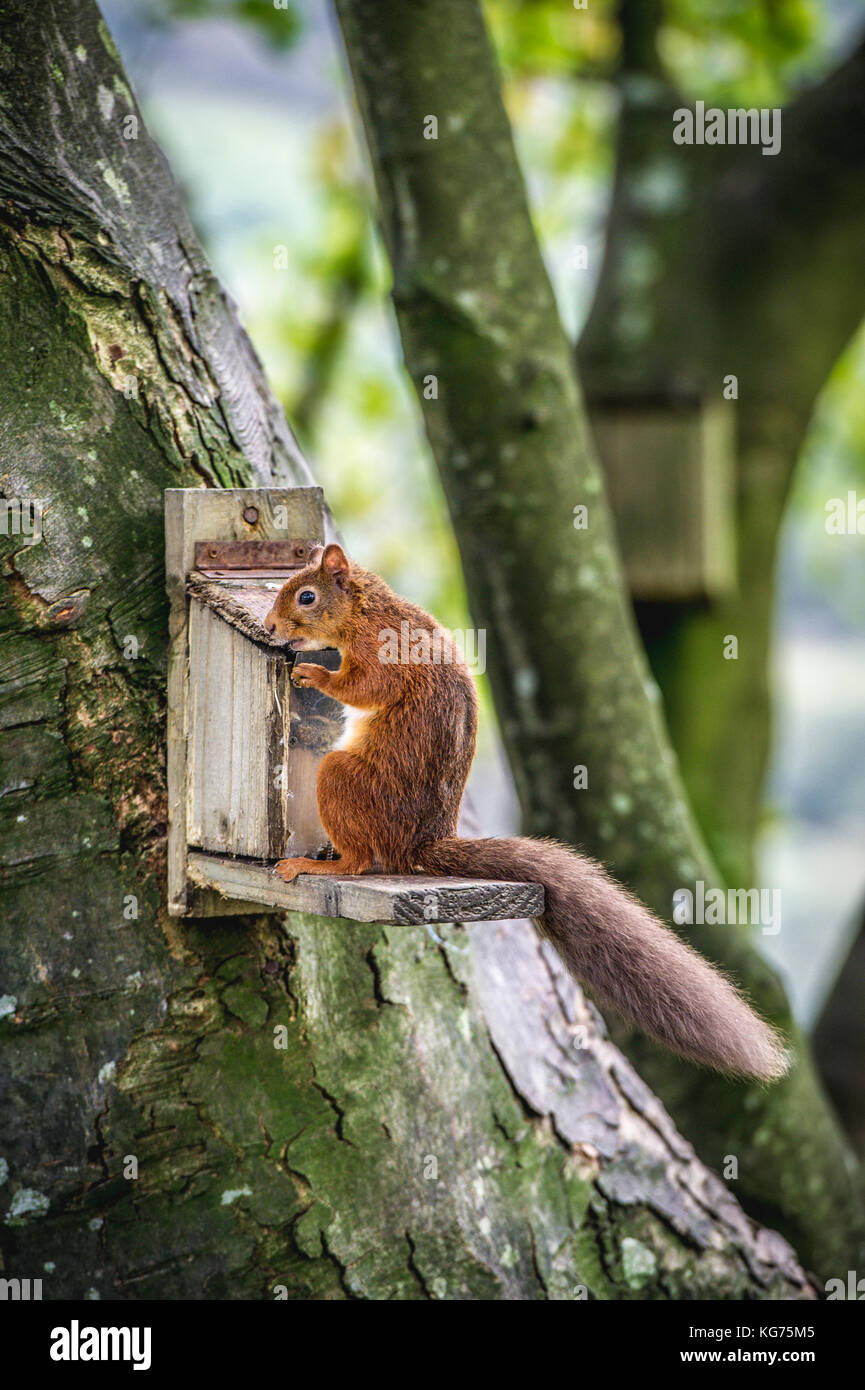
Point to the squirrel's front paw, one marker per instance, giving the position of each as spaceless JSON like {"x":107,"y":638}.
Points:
{"x":307,"y":673}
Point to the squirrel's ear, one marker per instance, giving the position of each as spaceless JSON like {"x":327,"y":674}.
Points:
{"x":315,"y":555}
{"x":335,"y":563}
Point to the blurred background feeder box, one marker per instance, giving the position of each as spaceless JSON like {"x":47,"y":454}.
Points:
{"x":670,"y":473}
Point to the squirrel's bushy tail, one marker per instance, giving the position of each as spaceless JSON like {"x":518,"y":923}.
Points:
{"x":612,"y":943}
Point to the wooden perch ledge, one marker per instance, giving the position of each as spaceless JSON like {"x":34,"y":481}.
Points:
{"x":412,"y":898}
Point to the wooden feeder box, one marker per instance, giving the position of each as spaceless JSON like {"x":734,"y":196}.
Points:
{"x":244,"y":744}
{"x":669,"y":467}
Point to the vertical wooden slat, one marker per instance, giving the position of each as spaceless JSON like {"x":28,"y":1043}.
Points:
{"x":254,"y":744}
{"x":278,"y":754}
{"x":238,"y":746}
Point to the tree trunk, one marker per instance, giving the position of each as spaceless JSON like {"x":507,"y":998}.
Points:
{"x":251,"y":1107}
{"x":494,"y":372}
{"x":839,"y":1042}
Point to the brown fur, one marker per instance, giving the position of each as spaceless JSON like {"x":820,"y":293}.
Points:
{"x":393,"y":798}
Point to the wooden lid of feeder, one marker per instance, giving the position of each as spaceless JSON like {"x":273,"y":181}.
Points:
{"x":242,"y":603}
{"x":240,"y":579}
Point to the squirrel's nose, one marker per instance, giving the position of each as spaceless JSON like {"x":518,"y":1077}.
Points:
{"x":270,"y":623}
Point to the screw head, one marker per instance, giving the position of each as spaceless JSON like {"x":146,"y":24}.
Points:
{"x":250,"y":515}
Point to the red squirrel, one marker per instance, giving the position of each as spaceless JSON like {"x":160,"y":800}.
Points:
{"x":391,"y":798}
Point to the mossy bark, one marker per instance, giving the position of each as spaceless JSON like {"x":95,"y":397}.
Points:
{"x":260,"y":1107}
{"x":572,"y":689}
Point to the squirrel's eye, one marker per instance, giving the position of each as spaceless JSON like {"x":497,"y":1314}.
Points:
{"x":306,"y":597}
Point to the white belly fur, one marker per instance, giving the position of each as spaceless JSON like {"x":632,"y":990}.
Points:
{"x":354,"y":721}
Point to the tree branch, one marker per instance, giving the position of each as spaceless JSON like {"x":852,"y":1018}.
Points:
{"x":788,"y":237}
{"x":639,"y":21}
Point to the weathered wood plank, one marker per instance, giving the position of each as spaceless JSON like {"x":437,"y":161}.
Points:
{"x":254,"y":744}
{"x":237,"y":742}
{"x":200,"y":514}
{"x":243,"y":604}
{"x":413,"y":898}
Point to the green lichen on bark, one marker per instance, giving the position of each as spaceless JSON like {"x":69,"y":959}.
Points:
{"x":277,"y":1154}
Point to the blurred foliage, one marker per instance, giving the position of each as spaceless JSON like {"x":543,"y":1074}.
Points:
{"x":725,"y":52}
{"x":277,"y":21}
{"x":543,"y":38}
{"x":832,"y":463}
{"x":735,"y":51}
